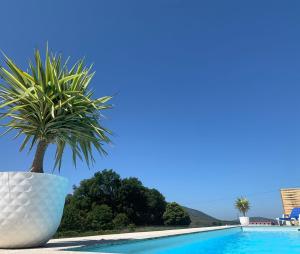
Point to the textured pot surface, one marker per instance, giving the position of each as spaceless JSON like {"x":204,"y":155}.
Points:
{"x":244,"y":221}
{"x":31,"y":207}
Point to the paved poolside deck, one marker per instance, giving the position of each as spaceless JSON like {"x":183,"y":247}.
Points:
{"x":61,"y":246}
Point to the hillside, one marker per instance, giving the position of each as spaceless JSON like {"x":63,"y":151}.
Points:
{"x":200,"y":219}
{"x":260,"y":219}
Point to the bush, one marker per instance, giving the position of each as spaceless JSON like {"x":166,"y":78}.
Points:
{"x":131,"y":227}
{"x":217,"y":223}
{"x":120,"y":221}
{"x":156,"y":207}
{"x":176,"y":215}
{"x":137,"y":204}
{"x":64,"y":234}
{"x":72,"y":219}
{"x":100,"y":218}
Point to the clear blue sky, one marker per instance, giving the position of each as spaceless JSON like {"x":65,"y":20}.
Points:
{"x":207,"y":105}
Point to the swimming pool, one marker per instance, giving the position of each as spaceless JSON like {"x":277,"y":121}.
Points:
{"x":252,"y":240}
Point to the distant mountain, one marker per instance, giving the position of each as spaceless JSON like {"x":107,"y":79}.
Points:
{"x":261,"y":219}
{"x":200,"y":219}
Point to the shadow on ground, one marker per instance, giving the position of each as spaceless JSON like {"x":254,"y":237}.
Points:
{"x":83,"y":243}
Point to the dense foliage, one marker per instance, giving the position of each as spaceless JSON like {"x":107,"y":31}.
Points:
{"x":52,"y":103}
{"x":176,"y":215}
{"x":243,"y":205}
{"x":106,"y":201}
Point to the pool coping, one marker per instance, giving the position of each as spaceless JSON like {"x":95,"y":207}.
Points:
{"x":147,"y":239}
{"x":273,"y":228}
{"x":67,"y":245}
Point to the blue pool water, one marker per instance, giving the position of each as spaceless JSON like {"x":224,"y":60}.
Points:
{"x":228,"y":241}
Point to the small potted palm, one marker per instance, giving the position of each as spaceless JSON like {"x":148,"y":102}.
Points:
{"x":243,"y":205}
{"x":50,"y":104}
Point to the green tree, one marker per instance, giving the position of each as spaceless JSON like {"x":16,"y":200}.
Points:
{"x":176,"y":215}
{"x":100,"y":217}
{"x":156,"y":206}
{"x":133,"y":200}
{"x":121,"y":221}
{"x":103,"y":188}
{"x":243,"y":205}
{"x":73,"y":219}
{"x":53,"y":104}
{"x":128,"y":200}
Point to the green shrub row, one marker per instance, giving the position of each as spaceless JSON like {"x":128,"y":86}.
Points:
{"x":108,"y":202}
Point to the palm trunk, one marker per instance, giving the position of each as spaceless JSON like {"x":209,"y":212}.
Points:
{"x":37,"y":165}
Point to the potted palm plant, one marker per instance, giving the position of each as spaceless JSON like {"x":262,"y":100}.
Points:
{"x":243,"y":205}
{"x":50,"y":104}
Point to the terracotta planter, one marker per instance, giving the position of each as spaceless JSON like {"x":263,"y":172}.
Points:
{"x":31,"y":207}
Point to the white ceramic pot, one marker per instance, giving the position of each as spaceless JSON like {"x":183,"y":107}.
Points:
{"x":31,"y":207}
{"x":244,"y":221}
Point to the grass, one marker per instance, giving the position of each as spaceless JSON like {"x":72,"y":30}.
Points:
{"x":115,"y":231}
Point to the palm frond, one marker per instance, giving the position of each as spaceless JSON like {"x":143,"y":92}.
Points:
{"x":242,"y":204}
{"x":54,"y":104}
